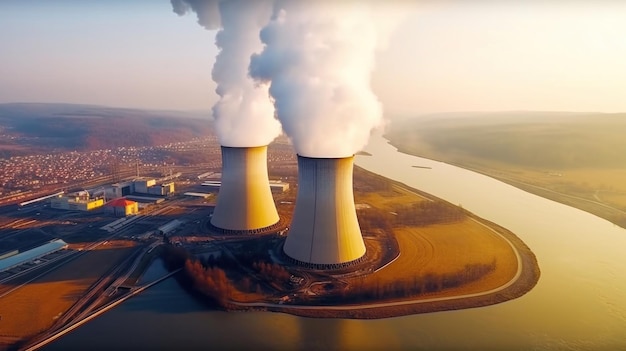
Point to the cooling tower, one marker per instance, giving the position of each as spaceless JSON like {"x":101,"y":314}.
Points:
{"x":244,"y":204}
{"x":325,"y":231}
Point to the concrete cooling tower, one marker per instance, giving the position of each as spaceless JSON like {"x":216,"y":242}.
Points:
{"x":325,"y":231}
{"x":245,"y":204}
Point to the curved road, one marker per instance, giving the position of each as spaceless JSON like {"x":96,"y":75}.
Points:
{"x":406,"y":302}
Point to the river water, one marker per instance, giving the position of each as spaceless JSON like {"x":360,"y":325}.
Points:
{"x":579,"y":302}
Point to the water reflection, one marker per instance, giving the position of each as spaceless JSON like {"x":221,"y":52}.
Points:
{"x":578,"y":303}
{"x":578,"y":300}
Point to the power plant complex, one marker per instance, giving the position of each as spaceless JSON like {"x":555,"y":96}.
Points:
{"x":325,"y":232}
{"x":245,"y":204}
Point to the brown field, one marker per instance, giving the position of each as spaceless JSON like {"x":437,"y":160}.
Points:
{"x":34,"y":307}
{"x":439,"y":249}
{"x":448,"y":248}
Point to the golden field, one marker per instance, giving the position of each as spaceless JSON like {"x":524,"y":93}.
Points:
{"x":34,"y":307}
{"x":447,"y":249}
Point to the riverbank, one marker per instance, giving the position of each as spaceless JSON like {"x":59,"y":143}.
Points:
{"x":577,"y":252}
{"x":520,"y":284}
{"x":447,"y":259}
{"x":575,"y":160}
{"x":533,"y":182}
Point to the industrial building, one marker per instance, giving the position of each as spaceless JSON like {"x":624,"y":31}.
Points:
{"x":196,"y":194}
{"x":120,"y":189}
{"x":245,"y":204}
{"x":150,"y":186}
{"x":325,"y":232}
{"x":32,"y":254}
{"x":121,"y":207}
{"x":80,"y":201}
{"x":142,"y":185}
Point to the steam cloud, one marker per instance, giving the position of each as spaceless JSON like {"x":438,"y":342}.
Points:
{"x":318,"y":58}
{"x":244,"y":115}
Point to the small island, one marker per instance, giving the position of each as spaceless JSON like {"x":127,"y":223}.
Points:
{"x":423,"y":255}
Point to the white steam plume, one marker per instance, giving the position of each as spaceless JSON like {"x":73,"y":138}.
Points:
{"x":244,"y":115}
{"x":319,"y":57}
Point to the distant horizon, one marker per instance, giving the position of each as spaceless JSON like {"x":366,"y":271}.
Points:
{"x":396,"y":117}
{"x":443,"y":57}
{"x":102,"y":106}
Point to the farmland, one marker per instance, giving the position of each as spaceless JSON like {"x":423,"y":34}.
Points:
{"x":575,"y":159}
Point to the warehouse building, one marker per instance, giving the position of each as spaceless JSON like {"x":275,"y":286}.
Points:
{"x":32,"y":254}
{"x":143,"y":186}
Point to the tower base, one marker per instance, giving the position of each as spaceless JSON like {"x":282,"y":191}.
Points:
{"x":324,"y":266}
{"x":265,"y":230}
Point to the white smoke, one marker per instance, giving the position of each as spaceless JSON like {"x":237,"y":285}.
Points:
{"x":244,"y":115}
{"x":319,"y":57}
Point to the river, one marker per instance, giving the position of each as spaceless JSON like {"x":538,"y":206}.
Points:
{"x":579,"y":302}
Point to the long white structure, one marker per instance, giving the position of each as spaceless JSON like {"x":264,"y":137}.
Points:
{"x":32,"y":254}
{"x":244,"y":204}
{"x":325,"y":232}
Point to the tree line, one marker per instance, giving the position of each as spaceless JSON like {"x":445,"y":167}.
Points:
{"x":362,"y":289}
{"x":211,"y":282}
{"x":209,"y":276}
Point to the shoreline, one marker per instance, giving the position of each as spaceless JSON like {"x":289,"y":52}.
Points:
{"x":524,"y":281}
{"x":617,"y":216}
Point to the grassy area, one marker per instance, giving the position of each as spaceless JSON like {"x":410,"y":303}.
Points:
{"x":576,"y":159}
{"x":447,"y":249}
{"x":34,"y":307}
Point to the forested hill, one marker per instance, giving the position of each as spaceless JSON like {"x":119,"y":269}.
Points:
{"x":31,"y":127}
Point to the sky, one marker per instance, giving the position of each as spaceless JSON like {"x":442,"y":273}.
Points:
{"x":443,"y":56}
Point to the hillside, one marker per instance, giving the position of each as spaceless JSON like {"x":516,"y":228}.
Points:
{"x":575,"y":158}
{"x":547,"y":140}
{"x":29,"y":127}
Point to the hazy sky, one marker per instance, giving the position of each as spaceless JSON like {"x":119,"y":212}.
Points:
{"x":443,"y":56}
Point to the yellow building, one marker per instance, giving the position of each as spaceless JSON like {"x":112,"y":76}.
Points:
{"x":80,"y":202}
{"x":122,"y":207}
